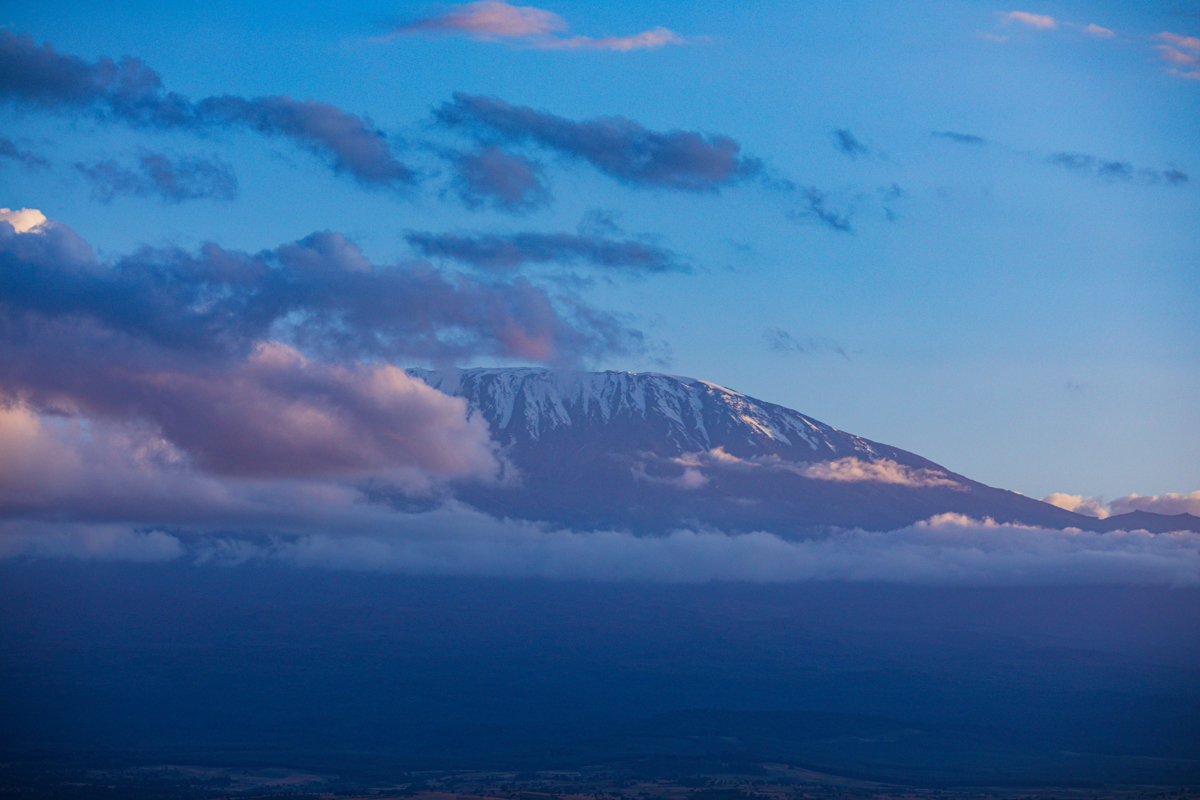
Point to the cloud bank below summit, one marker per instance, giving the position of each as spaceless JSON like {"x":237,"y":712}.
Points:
{"x":947,"y":550}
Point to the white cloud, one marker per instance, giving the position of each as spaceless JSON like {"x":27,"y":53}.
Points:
{"x":23,"y":220}
{"x":1039,"y":21}
{"x":882,"y":470}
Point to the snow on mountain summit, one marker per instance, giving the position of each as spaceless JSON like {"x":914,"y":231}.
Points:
{"x":646,"y":410}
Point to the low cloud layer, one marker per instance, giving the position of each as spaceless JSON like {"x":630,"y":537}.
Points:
{"x":946,"y":550}
{"x":1170,"y":504}
{"x":172,"y":179}
{"x":502,"y":253}
{"x":528,"y":27}
{"x":621,"y":148}
{"x":883,"y":470}
{"x":127,"y":90}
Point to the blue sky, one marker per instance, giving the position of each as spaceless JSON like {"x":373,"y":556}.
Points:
{"x":964,"y":229}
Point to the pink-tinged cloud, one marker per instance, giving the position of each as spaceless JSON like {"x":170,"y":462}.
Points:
{"x":884,"y":470}
{"x":1092,"y":506}
{"x":1168,"y":504}
{"x":1100,"y":33}
{"x":490,"y":20}
{"x":1158,"y":504}
{"x":1173,"y":56}
{"x":23,"y":220}
{"x":527,"y":26}
{"x":1186,"y":42}
{"x":1039,"y":21}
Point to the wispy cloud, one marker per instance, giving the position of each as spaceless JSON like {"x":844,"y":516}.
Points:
{"x":1115,"y":170}
{"x":26,"y":158}
{"x":781,"y":341}
{"x":1100,"y":33}
{"x":527,"y":26}
{"x":961,"y":138}
{"x":1039,"y":21}
{"x":128,"y":90}
{"x":1183,"y":52}
{"x":619,"y":147}
{"x":817,"y":208}
{"x":848,"y":144}
{"x":174,"y":180}
{"x":497,"y":252}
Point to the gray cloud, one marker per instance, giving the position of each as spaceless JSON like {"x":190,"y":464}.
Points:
{"x":507,"y":252}
{"x":174,"y":180}
{"x":26,"y":158}
{"x":509,"y":182}
{"x":818,"y":210}
{"x":961,"y":138}
{"x":621,"y":148}
{"x":130,"y":91}
{"x":1115,"y":170}
{"x":1169,"y":504}
{"x":848,"y":144}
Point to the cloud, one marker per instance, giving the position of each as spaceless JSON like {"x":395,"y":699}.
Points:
{"x":883,"y":470}
{"x":848,"y":144}
{"x":508,"y":181}
{"x":1100,"y":33}
{"x":87,"y":543}
{"x":948,"y":549}
{"x":817,"y":209}
{"x":527,"y":26}
{"x":1158,"y":504}
{"x":130,"y":91}
{"x":691,"y":479}
{"x":1092,"y":506}
{"x":26,"y":158}
{"x":154,"y":374}
{"x":1185,"y":42}
{"x":961,"y":138}
{"x":781,"y":341}
{"x":489,"y":20}
{"x":1115,"y":170}
{"x":319,"y":294}
{"x":174,"y":180}
{"x":495,"y":252}
{"x":1039,"y":21}
{"x":621,"y":148}
{"x":646,"y":40}
{"x":24,"y":220}
{"x":1169,"y":504}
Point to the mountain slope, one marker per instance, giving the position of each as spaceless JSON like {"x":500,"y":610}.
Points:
{"x":650,"y":452}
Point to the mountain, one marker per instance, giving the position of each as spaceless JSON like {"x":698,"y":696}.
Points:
{"x":650,"y":452}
